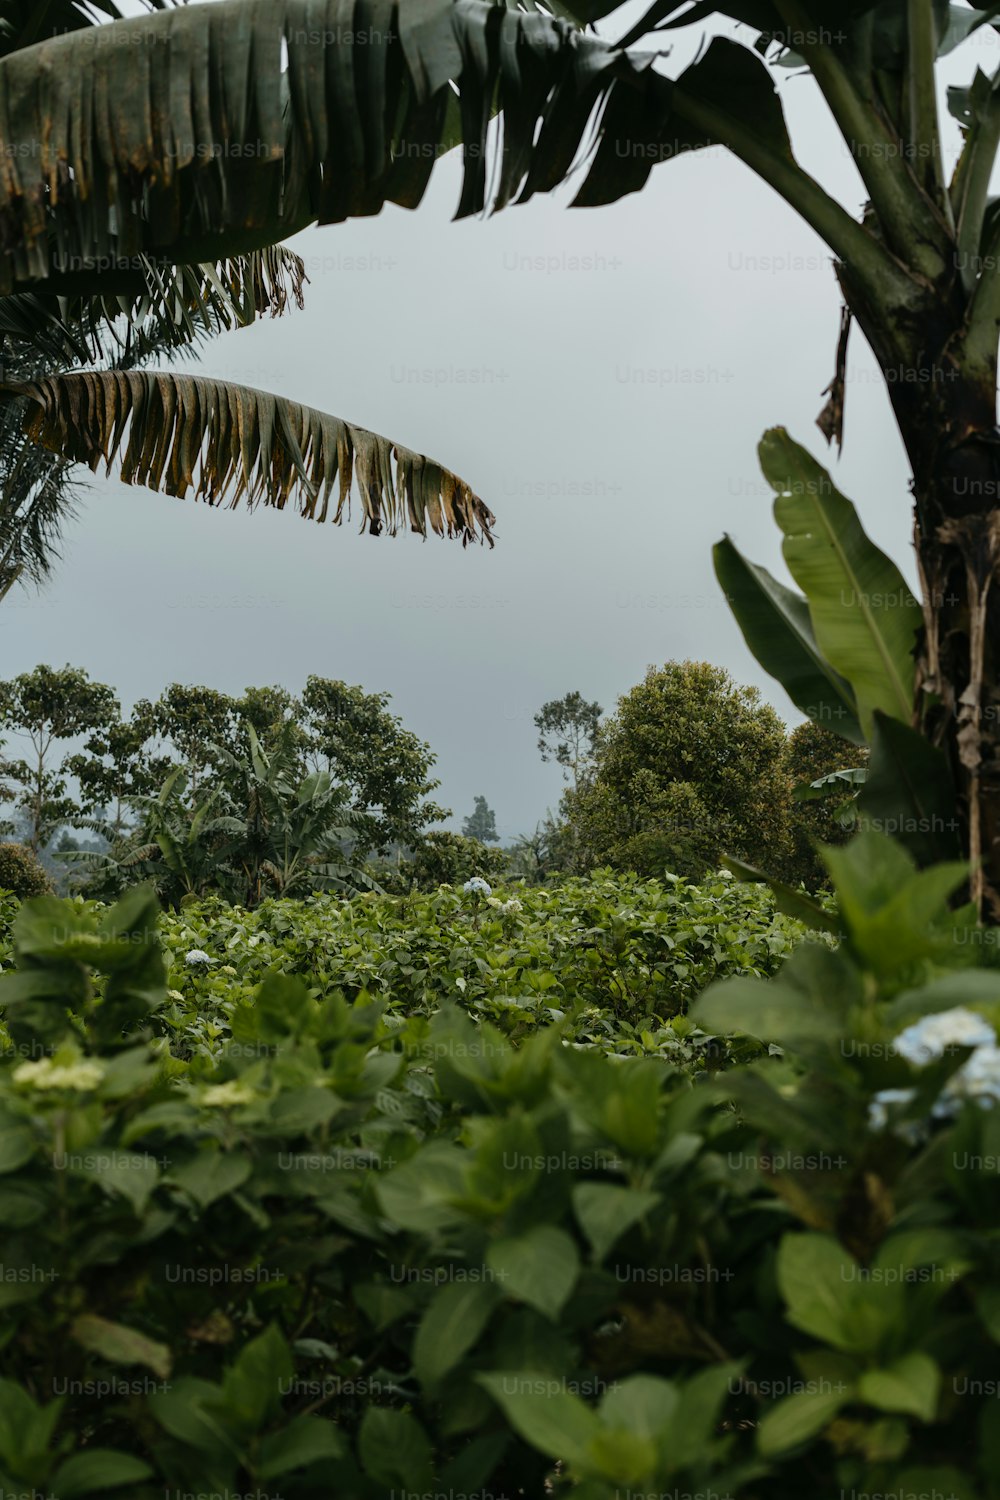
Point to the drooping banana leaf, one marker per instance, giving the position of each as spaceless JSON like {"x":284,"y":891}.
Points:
{"x":216,"y":129}
{"x":863,"y":614}
{"x":776,"y":626}
{"x":225,"y":443}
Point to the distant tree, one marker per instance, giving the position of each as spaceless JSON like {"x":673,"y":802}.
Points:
{"x":481,"y":823}
{"x":22,"y":873}
{"x":49,"y":706}
{"x":283,"y":834}
{"x":383,"y":767}
{"x":117,"y":764}
{"x":191,"y":721}
{"x":445,"y":858}
{"x":690,"y":767}
{"x":568,"y":732}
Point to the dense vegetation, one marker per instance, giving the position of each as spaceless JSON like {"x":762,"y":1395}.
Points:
{"x":344,"y":1195}
{"x":561,"y":1191}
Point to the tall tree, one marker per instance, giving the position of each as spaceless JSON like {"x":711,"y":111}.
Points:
{"x":48,"y":707}
{"x":690,"y":768}
{"x":567,"y":733}
{"x":384,"y":767}
{"x":481,"y":823}
{"x":118,"y":763}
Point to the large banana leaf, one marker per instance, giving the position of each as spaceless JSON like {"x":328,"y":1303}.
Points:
{"x":23,"y":22}
{"x":218,"y":128}
{"x":223,"y":442}
{"x":864,"y":617}
{"x":909,"y":793}
{"x":776,"y":626}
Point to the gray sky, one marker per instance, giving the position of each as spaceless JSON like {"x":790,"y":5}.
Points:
{"x":601,"y":377}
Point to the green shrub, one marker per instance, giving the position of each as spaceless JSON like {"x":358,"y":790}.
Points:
{"x":354,"y":1252}
{"x":614,"y":958}
{"x":21,"y":872}
{"x":444,"y":858}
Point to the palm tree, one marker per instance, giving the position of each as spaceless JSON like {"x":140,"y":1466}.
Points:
{"x":148,"y":168}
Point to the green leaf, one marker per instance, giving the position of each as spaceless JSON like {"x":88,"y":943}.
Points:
{"x":306,"y":1440}
{"x":394,"y":1449}
{"x":128,"y":1174}
{"x":451,"y":1325}
{"x":211,"y":1175}
{"x":17,"y":1145}
{"x":557,"y":1423}
{"x":909,"y":793}
{"x":251,"y":1389}
{"x":769,"y":1010}
{"x":891,"y":910}
{"x":120,"y":1345}
{"x":98,"y":1469}
{"x":776,"y":627}
{"x":419,"y":1194}
{"x":788,"y":900}
{"x":909,"y":1385}
{"x":604,"y":1211}
{"x":863,"y":613}
{"x":538,"y":1267}
{"x":796,"y":1419}
{"x":816,"y":1277}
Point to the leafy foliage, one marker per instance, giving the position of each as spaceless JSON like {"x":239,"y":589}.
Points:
{"x":347,"y":1248}
{"x":616,"y":958}
{"x":21,"y":872}
{"x":688,"y":768}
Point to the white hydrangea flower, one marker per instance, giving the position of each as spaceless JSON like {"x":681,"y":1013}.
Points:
{"x":477,"y":886}
{"x":977,"y":1079}
{"x":198,"y":956}
{"x":878,"y":1113}
{"x":81,"y":1077}
{"x":174,"y":995}
{"x":505,"y":908}
{"x":225,"y":1095}
{"x":931,"y":1037}
{"x":227,"y":969}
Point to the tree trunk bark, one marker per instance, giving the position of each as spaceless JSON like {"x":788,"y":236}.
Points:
{"x":946,"y":412}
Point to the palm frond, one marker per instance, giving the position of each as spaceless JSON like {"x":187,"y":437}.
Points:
{"x":226,"y":443}
{"x":37,"y":498}
{"x":158,"y":309}
{"x":217,"y":128}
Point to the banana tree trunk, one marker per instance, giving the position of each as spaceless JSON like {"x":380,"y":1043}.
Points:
{"x":944,"y":400}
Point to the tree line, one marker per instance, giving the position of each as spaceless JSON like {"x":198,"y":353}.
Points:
{"x":273,"y":793}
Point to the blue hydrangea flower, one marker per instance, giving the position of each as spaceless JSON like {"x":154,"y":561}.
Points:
{"x":477,"y":886}
{"x":198,"y":956}
{"x":931,"y":1037}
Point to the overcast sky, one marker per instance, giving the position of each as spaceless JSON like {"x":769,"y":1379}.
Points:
{"x":600,"y":377}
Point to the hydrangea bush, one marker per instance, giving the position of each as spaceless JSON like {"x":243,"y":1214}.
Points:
{"x":346,"y":1250}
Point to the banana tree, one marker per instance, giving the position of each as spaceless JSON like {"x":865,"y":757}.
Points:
{"x":173,"y":144}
